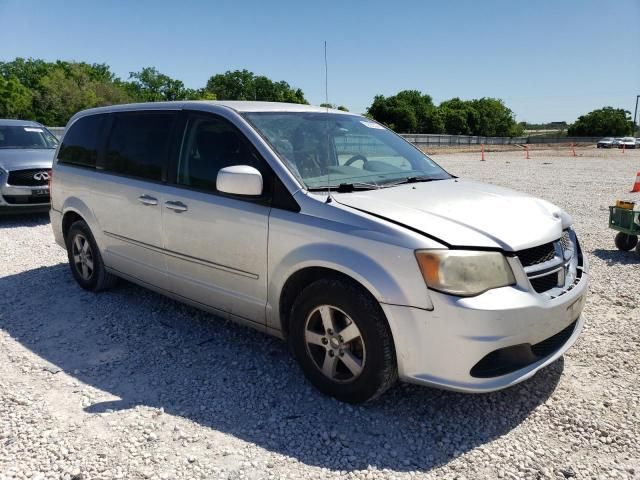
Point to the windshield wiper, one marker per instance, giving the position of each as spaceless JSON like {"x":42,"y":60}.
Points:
{"x":346,"y":187}
{"x":352,"y":187}
{"x":416,"y":179}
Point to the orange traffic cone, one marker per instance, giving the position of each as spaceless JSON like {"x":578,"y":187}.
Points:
{"x":636,"y":186}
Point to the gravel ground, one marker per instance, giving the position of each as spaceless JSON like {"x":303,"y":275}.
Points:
{"x":128,"y":384}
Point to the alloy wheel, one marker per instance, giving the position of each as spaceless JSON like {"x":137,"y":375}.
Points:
{"x":82,"y":256}
{"x":335,"y":344}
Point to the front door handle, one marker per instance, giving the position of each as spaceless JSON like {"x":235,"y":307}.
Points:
{"x":147,"y":200}
{"x":176,"y":206}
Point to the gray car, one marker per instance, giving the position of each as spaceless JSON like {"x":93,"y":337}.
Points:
{"x":26,"y":156}
{"x":327,"y":229}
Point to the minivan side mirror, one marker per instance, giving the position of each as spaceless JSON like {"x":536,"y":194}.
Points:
{"x":239,"y":180}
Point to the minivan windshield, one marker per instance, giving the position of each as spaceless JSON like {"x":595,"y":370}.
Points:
{"x":331,"y":150}
{"x":13,"y":136}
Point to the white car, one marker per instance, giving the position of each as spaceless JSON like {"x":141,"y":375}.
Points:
{"x":627,"y":142}
{"x":327,"y":229}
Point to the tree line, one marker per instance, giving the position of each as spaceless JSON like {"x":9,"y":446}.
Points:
{"x":411,"y":111}
{"x":51,"y":92}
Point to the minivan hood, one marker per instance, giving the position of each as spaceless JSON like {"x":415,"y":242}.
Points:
{"x":24,"y":158}
{"x":463,"y":213}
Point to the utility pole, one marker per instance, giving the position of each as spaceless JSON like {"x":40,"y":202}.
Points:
{"x":635,"y":114}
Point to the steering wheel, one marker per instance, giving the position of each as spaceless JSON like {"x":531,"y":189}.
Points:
{"x":355,"y":158}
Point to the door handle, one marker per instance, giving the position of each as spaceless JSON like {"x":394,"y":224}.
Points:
{"x":147,"y":200}
{"x":176,"y":206}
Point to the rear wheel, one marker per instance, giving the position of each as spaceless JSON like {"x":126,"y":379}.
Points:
{"x":342,"y":341}
{"x":626,"y":242}
{"x":85,"y":260}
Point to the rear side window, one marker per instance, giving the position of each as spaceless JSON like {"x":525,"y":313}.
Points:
{"x":80,"y":144}
{"x":138,"y":144}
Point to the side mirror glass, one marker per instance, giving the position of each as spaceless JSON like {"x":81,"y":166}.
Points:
{"x":239,"y":180}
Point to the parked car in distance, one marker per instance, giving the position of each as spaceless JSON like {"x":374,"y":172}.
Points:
{"x":627,"y":142}
{"x":327,"y":229}
{"x":26,"y":156}
{"x":606,"y":142}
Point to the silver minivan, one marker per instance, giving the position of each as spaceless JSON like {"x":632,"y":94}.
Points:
{"x":327,"y":229}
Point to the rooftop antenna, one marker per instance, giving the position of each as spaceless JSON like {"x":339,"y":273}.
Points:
{"x":326,"y":104}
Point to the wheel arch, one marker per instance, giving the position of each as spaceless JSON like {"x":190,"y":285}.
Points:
{"x":388,"y":280}
{"x":75,"y":209}
{"x":302,"y":278}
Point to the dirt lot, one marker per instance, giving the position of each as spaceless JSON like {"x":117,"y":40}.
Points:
{"x":128,"y":384}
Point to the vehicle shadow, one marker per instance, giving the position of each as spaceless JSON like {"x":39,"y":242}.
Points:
{"x":13,"y":220}
{"x":617,"y":256}
{"x":149,"y":350}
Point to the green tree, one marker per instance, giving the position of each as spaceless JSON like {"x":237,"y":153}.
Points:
{"x":495,"y":119}
{"x":15,"y":99}
{"x":62,"y":93}
{"x":459,"y":117}
{"x":244,"y":85}
{"x":58,"y":89}
{"x":149,"y":85}
{"x":607,"y":121}
{"x":27,"y":71}
{"x":409,"y":111}
{"x":331,"y":105}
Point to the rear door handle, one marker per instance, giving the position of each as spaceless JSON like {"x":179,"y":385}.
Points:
{"x":147,"y":200}
{"x":176,"y":206}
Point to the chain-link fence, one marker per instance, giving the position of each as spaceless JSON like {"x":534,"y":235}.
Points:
{"x":532,"y":152}
{"x":430,"y":140}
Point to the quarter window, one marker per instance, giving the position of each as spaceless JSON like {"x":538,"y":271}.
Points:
{"x":211,"y":143}
{"x":138,"y":144}
{"x":81,"y":143}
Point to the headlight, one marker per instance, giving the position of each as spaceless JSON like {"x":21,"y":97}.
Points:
{"x":463,"y":272}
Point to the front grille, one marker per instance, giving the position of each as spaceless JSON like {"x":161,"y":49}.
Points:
{"x":553,"y":266}
{"x":542,"y":284}
{"x":536,"y":255}
{"x":509,"y":359}
{"x":24,"y":178}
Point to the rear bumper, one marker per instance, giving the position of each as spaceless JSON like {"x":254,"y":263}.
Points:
{"x":441,"y":347}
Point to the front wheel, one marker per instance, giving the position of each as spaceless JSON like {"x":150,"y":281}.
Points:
{"x":626,"y":242}
{"x":342,"y":341}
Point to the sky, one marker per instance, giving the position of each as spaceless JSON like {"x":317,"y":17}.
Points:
{"x":548,"y":60}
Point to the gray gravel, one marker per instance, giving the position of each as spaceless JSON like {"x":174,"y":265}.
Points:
{"x":128,"y":384}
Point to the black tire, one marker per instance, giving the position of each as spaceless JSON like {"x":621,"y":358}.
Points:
{"x":626,"y":242}
{"x":638,"y":248}
{"x":98,"y":279}
{"x":354,"y":304}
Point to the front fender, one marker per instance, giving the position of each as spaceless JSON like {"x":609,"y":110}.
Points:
{"x":401,"y":285}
